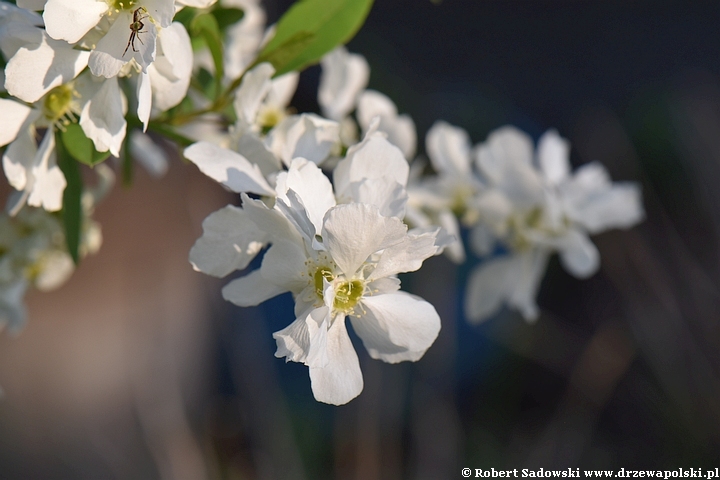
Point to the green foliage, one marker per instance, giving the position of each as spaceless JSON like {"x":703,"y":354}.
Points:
{"x":206,"y":26}
{"x":227,"y":16}
{"x":310,"y":29}
{"x":80,"y":147}
{"x":71,"y":205}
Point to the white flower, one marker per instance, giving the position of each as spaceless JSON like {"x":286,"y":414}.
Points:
{"x":535,"y":207}
{"x":33,"y":171}
{"x":128,"y":29}
{"x":261,"y":101}
{"x":350,"y":272}
{"x":400,"y":129}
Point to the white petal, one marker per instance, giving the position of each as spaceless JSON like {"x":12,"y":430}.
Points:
{"x":374,"y":157}
{"x":554,"y":157}
{"x":170,"y":73}
{"x":513,"y":279}
{"x":449,"y":149}
{"x":251,"y":147}
{"x":250,"y":290}
{"x":35,"y":70}
{"x":19,"y":158}
{"x":114,"y":50}
{"x":340,"y":380}
{"x":284,"y":264}
{"x":244,"y":38}
{"x":270,"y":221}
{"x":344,"y":76}
{"x":372,"y":104}
{"x":293,"y":341}
{"x":252,"y":91}
{"x":406,"y":256}
{"x":14,"y":115}
{"x":57,"y":267}
{"x":578,"y":254}
{"x":144,"y":97}
{"x":397,"y":326}
{"x":70,"y":20}
{"x":229,"y":168}
{"x":103,"y":118}
{"x":619,"y":206}
{"x":229,"y":242}
{"x":162,"y":11}
{"x":282,"y":89}
{"x":401,"y":132}
{"x":353,"y":232}
{"x":449,"y":222}
{"x":49,"y":184}
{"x":294,"y":211}
{"x":385,"y":193}
{"x":307,"y":135}
{"x":312,"y":186}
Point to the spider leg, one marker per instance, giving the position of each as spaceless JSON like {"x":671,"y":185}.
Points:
{"x":130,"y":40}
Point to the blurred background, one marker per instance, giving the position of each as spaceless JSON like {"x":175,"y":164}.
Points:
{"x":136,"y":368}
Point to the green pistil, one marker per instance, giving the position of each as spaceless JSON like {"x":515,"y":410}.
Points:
{"x":58,"y":103}
{"x":122,"y":4}
{"x":347,"y":295}
{"x":320,"y":274}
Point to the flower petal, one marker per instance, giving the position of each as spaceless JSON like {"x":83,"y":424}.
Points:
{"x":554,"y":157}
{"x":250,"y":290}
{"x":344,"y":76}
{"x":70,"y":20}
{"x":449,"y":149}
{"x":312,"y":186}
{"x":406,"y":256}
{"x":49,"y":181}
{"x":284,"y":264}
{"x":578,"y":254}
{"x":171,"y":71}
{"x":115,"y":49}
{"x":513,"y":279}
{"x":374,"y":157}
{"x":229,"y":168}
{"x":340,"y":380}
{"x":397,"y":326}
{"x":253,"y":90}
{"x":307,"y":135}
{"x":14,"y":115}
{"x":103,"y":118}
{"x":144,"y":98}
{"x":353,"y":232}
{"x":229,"y":242}
{"x":35,"y":70}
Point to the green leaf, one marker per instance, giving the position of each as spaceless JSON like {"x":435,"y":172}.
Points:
{"x":80,"y":147}
{"x":71,"y":205}
{"x":227,"y":16}
{"x":330,"y":22}
{"x":206,"y":26}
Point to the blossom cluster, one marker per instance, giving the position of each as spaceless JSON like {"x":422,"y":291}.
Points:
{"x":335,"y":204}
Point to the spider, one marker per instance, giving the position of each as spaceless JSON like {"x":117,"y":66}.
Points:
{"x":135,"y":28}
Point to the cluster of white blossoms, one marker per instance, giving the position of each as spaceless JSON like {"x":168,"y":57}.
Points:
{"x":521,"y":205}
{"x":327,"y":201}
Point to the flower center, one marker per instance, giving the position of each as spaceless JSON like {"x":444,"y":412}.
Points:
{"x":59,"y":104}
{"x":119,"y":5}
{"x":268,"y":117}
{"x":347,"y":295}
